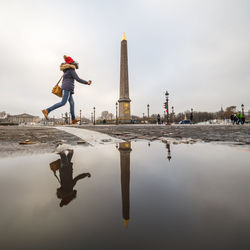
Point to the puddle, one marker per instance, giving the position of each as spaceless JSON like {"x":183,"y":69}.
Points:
{"x":139,"y":195}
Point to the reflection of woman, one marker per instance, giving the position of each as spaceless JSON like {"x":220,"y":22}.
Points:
{"x":65,"y":166}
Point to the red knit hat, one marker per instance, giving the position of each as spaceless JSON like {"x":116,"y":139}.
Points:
{"x":68,"y":59}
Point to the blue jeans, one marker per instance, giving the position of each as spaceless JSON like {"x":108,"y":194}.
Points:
{"x":66,"y":96}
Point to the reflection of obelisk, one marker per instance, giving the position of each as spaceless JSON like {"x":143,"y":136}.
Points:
{"x":124,"y":101}
{"x":125,"y":149}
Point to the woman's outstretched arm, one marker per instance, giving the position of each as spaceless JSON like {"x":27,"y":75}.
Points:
{"x":77,"y":78}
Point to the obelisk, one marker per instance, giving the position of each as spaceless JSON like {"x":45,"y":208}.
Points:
{"x":124,"y":101}
{"x":125,"y":149}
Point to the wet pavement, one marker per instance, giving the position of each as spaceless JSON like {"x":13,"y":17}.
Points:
{"x":128,"y":195}
{"x":45,"y":139}
{"x":236,"y":134}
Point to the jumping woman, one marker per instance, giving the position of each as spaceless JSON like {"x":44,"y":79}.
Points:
{"x":68,"y":86}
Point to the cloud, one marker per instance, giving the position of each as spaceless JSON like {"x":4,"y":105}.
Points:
{"x":198,"y":51}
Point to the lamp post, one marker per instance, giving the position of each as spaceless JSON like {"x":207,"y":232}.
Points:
{"x":116,"y":118}
{"x":148,"y":110}
{"x":173,"y":118}
{"x":242,"y":109}
{"x":191,"y":115}
{"x":66,"y":118}
{"x":166,"y":106}
{"x":80,"y":117}
{"x":94,"y":116}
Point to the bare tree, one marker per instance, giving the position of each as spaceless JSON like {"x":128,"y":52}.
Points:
{"x":229,"y":111}
{"x":104,"y":115}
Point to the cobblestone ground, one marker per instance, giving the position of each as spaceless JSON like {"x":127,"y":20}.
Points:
{"x":220,"y":133}
{"x":45,"y":139}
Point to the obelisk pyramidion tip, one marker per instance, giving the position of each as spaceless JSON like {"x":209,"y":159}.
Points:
{"x":123,"y":36}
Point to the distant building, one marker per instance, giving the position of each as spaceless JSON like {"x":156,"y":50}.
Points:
{"x":3,"y":115}
{"x":22,"y":118}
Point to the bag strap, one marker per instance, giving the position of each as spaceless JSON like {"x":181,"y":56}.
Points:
{"x":57,"y":178}
{"x":59,"y":80}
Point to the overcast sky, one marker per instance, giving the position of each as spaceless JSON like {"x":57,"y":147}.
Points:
{"x":197,"y":50}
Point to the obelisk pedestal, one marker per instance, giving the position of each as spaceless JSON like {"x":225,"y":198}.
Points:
{"x":124,"y":101}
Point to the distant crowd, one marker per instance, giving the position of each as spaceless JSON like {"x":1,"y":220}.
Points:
{"x":237,"y":118}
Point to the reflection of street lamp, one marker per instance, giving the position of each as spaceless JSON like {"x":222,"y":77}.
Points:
{"x":94,"y":116}
{"x":242,"y":109}
{"x":116,"y":118}
{"x":167,"y":95}
{"x":148,"y":110}
{"x":169,"y":152}
{"x":80,"y":117}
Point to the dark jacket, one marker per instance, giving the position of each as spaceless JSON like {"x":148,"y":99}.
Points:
{"x":68,"y":78}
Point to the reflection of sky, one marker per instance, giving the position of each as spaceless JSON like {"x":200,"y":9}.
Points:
{"x":199,"y":197}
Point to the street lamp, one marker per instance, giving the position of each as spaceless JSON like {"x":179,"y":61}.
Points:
{"x":116,"y":118}
{"x":173,"y":118}
{"x":94,"y":116}
{"x":191,"y":115}
{"x":66,"y":118}
{"x":166,"y":106}
{"x":148,"y":110}
{"x":80,"y":117}
{"x":242,"y":109}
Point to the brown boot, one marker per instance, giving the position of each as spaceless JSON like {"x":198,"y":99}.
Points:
{"x":75,"y":121}
{"x":46,"y":113}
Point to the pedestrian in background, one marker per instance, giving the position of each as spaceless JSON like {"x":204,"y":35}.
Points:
{"x":239,"y":117}
{"x":158,"y":119}
{"x":232,"y":118}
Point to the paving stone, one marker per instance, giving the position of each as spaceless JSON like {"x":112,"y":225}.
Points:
{"x":209,"y":133}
